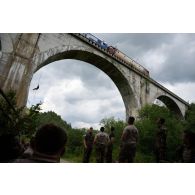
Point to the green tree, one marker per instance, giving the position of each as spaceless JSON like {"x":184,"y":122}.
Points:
{"x":52,"y":117}
{"x":14,"y":120}
{"x":190,"y":118}
{"x":29,"y":120}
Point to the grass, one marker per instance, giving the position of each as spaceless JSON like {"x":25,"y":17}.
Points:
{"x":78,"y":157}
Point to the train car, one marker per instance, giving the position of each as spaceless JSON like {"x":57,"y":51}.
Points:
{"x":140,"y":68}
{"x":111,"y":50}
{"x":94,"y":39}
{"x":115,"y":52}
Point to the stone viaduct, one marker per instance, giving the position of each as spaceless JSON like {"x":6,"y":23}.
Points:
{"x":21,"y":55}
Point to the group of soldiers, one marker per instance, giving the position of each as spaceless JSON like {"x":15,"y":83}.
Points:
{"x":48,"y":145}
{"x":104,"y":144}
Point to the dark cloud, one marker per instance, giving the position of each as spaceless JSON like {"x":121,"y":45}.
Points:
{"x":180,"y":63}
{"x":142,"y":40}
{"x":177,"y":49}
{"x":136,"y":44}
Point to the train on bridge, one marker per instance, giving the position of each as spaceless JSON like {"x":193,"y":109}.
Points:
{"x":115,"y":53}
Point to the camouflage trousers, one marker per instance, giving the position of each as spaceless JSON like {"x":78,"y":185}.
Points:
{"x":100,"y":153}
{"x":127,"y":153}
{"x":87,"y":154}
{"x":160,"y":154}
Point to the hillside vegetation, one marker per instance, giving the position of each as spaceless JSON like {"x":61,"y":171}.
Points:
{"x":24,"y":122}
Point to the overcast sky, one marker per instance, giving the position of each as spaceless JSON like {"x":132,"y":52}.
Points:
{"x":83,"y":94}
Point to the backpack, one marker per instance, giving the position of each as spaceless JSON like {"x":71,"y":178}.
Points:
{"x":102,"y":139}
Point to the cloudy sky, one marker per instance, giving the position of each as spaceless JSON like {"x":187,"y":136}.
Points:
{"x":83,"y":94}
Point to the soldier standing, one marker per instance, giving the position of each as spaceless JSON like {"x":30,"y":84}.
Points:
{"x":101,"y":141}
{"x":160,"y":141}
{"x":129,"y":140}
{"x":88,"y":145}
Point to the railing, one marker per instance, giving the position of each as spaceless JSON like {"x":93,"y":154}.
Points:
{"x":107,"y":53}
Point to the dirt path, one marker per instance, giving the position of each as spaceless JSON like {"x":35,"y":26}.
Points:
{"x":65,"y":161}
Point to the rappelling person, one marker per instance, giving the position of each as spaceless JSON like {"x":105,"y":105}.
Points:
{"x":36,"y":88}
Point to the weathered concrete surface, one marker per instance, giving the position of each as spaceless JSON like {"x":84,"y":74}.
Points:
{"x":23,"y":54}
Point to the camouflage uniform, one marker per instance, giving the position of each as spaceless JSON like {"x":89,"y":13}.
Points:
{"x":160,"y":146}
{"x":101,"y":141}
{"x":128,"y":145}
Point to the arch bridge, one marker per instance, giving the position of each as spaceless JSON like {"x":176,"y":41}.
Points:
{"x":21,"y":55}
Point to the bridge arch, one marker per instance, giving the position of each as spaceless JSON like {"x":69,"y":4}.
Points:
{"x":171,"y":105}
{"x":23,"y":54}
{"x":101,"y":63}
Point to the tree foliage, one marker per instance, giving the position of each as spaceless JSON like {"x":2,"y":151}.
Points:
{"x":190,"y":118}
{"x":14,"y":120}
{"x":146,"y":124}
{"x":25,"y":122}
{"x":74,"y":144}
{"x":52,"y":117}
